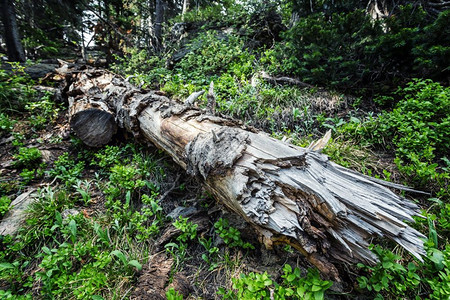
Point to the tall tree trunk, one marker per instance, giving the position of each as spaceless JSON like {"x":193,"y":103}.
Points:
{"x":186,"y":4}
{"x":288,"y":194}
{"x":12,"y":38}
{"x":159,"y":19}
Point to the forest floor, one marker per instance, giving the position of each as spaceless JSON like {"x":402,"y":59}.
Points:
{"x":205,"y":263}
{"x":124,"y":221}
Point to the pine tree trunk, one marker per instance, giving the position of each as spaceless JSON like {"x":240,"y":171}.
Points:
{"x":186,"y":4}
{"x":159,"y":19}
{"x":12,"y":38}
{"x":288,"y":194}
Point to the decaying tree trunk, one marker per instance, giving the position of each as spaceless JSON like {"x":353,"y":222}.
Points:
{"x":288,"y":194}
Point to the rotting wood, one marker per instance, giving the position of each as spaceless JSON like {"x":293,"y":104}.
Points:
{"x":284,"y":80}
{"x":191,"y":99}
{"x":16,"y":216}
{"x":288,"y":194}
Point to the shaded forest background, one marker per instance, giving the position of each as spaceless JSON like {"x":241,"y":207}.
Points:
{"x":375,"y":72}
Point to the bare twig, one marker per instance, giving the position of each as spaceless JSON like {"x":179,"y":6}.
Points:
{"x":174,"y":185}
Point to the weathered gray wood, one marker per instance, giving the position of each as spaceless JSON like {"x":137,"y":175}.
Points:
{"x":287,"y":193}
{"x":15,"y":217}
{"x":191,"y":99}
{"x":91,"y":118}
{"x":284,"y":80}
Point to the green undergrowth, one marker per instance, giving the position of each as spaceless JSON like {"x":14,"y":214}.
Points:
{"x":239,"y":89}
{"x":15,"y":90}
{"x":294,"y":285}
{"x":407,"y":144}
{"x":349,"y":50}
{"x":417,"y":132}
{"x":80,"y":255}
{"x":77,"y":244}
{"x":89,"y":234}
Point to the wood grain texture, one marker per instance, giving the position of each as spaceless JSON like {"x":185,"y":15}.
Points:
{"x":288,"y":194}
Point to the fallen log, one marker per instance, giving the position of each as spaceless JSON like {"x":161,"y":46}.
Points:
{"x":288,"y":194}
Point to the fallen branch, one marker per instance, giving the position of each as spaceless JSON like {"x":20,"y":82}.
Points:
{"x":284,"y":80}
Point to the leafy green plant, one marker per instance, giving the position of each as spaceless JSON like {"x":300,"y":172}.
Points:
{"x":27,"y":175}
{"x":123,"y":179}
{"x":43,"y":111}
{"x":108,"y":156}
{"x":299,"y":287}
{"x":6,"y":123}
{"x":134,"y":263}
{"x":27,"y":157}
{"x":419,"y":127}
{"x":82,"y":187}
{"x":66,"y":170}
{"x":437,"y":272}
{"x":210,"y":256}
{"x":15,"y":89}
{"x":18,"y":139}
{"x":389,"y":275}
{"x":30,"y":175}
{"x":293,"y":286}
{"x":230,"y":235}
{"x":417,"y":130}
{"x":389,"y":278}
{"x":188,"y":232}
{"x":172,"y":294}
{"x":251,"y":286}
{"x":4,"y":205}
{"x":44,"y":213}
{"x":149,"y":220}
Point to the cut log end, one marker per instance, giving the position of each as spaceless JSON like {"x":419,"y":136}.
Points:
{"x":94,"y":127}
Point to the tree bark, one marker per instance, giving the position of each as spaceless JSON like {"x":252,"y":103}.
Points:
{"x":159,"y":19}
{"x":12,"y":38}
{"x":186,"y":5}
{"x":288,"y":194}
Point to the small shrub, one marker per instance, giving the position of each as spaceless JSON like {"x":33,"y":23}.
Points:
{"x":230,"y":235}
{"x":27,"y":157}
{"x":389,"y":278}
{"x":149,"y":220}
{"x":389,"y":275}
{"x":6,"y":123}
{"x":4,"y":205}
{"x":178,"y":250}
{"x":108,"y":156}
{"x":299,"y":287}
{"x":43,"y":111}
{"x":172,"y":294}
{"x":15,"y":89}
{"x":417,"y":130}
{"x":66,"y":170}
{"x":293,"y":286}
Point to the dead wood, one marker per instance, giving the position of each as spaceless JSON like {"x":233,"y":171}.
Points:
{"x":156,"y":275}
{"x":285,"y":80}
{"x":288,"y":194}
{"x":191,"y":99}
{"x":16,"y":216}
{"x":211,"y":105}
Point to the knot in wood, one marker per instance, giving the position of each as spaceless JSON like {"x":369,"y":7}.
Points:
{"x":215,"y":152}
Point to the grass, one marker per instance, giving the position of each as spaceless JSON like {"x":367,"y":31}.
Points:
{"x":99,"y":215}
